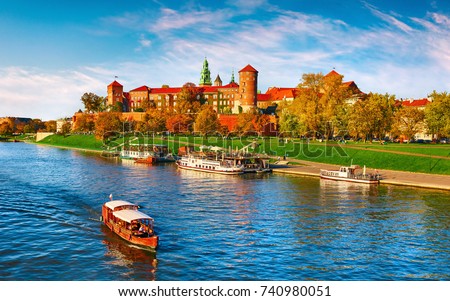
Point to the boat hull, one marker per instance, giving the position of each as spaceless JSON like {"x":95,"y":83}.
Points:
{"x":216,"y":171}
{"x":150,"y":242}
{"x":353,"y":180}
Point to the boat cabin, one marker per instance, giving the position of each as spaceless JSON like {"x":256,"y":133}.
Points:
{"x":127,"y":217}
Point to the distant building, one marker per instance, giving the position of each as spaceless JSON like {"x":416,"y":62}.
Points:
{"x":230,"y":97}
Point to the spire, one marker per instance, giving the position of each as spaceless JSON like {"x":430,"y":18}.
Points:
{"x":232,"y":76}
{"x":218,"y":81}
{"x":205,"y":75}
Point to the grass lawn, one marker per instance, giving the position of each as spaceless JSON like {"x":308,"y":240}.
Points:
{"x":74,"y":141}
{"x":331,"y":153}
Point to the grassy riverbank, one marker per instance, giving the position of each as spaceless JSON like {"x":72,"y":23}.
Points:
{"x":424,"y":158}
{"x":87,"y":142}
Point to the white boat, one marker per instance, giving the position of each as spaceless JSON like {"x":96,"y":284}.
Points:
{"x":211,"y":165}
{"x":147,"y":153}
{"x":350,"y":174}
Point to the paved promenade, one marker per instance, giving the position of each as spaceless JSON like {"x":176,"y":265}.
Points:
{"x":388,"y":176}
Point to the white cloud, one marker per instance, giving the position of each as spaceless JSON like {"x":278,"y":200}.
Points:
{"x":35,"y":93}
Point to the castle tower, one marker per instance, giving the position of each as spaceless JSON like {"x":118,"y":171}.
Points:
{"x":248,"y":88}
{"x":218,"y":81}
{"x":115,"y":93}
{"x":205,"y":75}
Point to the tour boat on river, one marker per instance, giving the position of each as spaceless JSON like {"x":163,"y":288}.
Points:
{"x":124,"y":219}
{"x":219,"y":160}
{"x":349,"y":174}
{"x":148,"y":154}
{"x":211,"y":165}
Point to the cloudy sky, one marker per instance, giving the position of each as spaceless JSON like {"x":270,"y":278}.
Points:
{"x":53,"y":51}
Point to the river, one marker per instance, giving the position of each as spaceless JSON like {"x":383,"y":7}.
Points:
{"x":211,"y":227}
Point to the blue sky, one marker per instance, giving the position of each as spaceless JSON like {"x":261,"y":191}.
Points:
{"x":53,"y":51}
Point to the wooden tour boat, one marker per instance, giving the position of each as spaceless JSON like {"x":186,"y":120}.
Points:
{"x":219,"y":160}
{"x":211,"y":165}
{"x":147,"y":154}
{"x":349,"y":174}
{"x":124,"y":219}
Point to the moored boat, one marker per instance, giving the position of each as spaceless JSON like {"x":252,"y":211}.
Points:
{"x":148,"y":154}
{"x":211,"y":165}
{"x":350,"y":174}
{"x":124,"y":219}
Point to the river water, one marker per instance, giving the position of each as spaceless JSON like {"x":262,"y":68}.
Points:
{"x":211,"y":227}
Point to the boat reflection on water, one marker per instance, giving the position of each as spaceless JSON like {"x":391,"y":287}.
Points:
{"x":132,"y":258}
{"x":346,"y":190}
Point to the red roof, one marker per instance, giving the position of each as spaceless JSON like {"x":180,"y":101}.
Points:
{"x":416,"y":102}
{"x":263,"y":97}
{"x":332,"y":73}
{"x":165,"y":90}
{"x":115,"y":84}
{"x":142,"y":88}
{"x":209,"y":89}
{"x":248,"y":68}
{"x":277,"y":93}
{"x":230,"y":85}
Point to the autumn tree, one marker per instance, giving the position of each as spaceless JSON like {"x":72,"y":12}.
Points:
{"x":308,"y":104}
{"x":154,"y":120}
{"x":179,"y":123}
{"x":371,"y":116}
{"x":84,"y":123}
{"x":332,"y":104}
{"x":189,"y":100}
{"x":92,"y":102}
{"x":50,"y":126}
{"x":207,"y":120}
{"x":437,"y":114}
{"x":408,"y":121}
{"x":7,"y":127}
{"x":107,"y":124}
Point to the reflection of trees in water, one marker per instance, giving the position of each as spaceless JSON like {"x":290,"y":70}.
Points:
{"x":139,"y":263}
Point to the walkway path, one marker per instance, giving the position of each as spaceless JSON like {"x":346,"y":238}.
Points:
{"x":392,"y":177}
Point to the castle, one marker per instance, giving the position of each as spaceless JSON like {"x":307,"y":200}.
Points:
{"x":231,"y":97}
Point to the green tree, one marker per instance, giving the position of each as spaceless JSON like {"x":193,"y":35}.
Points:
{"x":437,"y":114}
{"x":207,"y":121}
{"x":408,"y":121}
{"x":92,"y":102}
{"x":371,"y":116}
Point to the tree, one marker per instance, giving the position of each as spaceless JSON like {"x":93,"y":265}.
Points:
{"x":154,"y":120}
{"x":7,"y":127}
{"x":289,"y":123}
{"x":437,"y":114}
{"x":333,"y":103}
{"x":107,"y":124}
{"x":50,"y":126}
{"x":92,"y":102}
{"x":84,"y":123}
{"x":408,"y":121}
{"x":66,"y":128}
{"x":371,"y":116}
{"x":189,"y":100}
{"x":179,"y":123}
{"x":207,"y":121}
